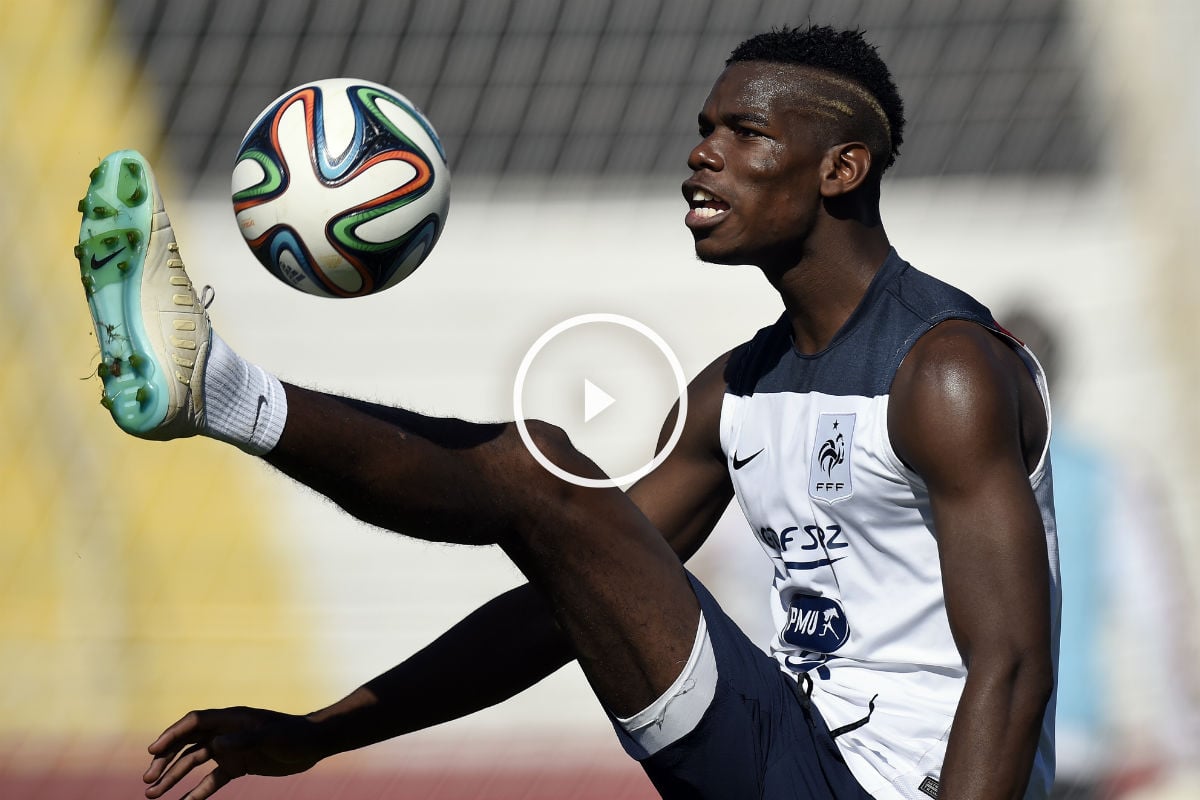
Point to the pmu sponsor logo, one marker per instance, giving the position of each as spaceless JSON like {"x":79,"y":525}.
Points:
{"x":816,"y":624}
{"x":829,"y":469}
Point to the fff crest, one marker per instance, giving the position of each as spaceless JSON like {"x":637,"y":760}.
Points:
{"x":829,"y":470}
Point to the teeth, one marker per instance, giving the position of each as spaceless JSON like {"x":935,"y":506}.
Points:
{"x":706,"y":213}
{"x":701,"y":196}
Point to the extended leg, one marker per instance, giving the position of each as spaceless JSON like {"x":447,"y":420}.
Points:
{"x":616,"y":587}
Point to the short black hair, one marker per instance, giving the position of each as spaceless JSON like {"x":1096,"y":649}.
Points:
{"x":845,"y":53}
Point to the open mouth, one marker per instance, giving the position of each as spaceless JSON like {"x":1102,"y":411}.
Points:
{"x":703,"y":207}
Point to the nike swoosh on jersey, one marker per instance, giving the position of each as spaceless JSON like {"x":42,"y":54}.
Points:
{"x":738,"y":463}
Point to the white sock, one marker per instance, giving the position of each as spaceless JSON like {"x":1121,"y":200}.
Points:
{"x":244,"y":404}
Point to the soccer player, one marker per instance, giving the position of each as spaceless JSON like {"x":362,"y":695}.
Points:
{"x":886,"y":439}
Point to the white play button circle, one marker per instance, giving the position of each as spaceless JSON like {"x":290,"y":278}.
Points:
{"x":609,"y":381}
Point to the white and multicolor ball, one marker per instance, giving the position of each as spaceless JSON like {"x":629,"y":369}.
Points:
{"x":341,"y":187}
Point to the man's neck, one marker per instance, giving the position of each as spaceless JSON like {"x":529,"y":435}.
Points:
{"x":826,"y":285}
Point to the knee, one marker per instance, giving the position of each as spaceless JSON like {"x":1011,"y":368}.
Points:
{"x":525,"y":475}
{"x":547,"y":442}
{"x":547,"y":437}
{"x":540,"y":507}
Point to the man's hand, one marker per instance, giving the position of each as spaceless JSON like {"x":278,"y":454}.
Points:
{"x":241,"y":741}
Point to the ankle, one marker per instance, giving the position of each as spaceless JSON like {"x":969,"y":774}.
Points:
{"x":243,"y":404}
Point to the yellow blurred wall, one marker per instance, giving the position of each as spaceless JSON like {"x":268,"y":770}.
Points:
{"x":137,"y":579}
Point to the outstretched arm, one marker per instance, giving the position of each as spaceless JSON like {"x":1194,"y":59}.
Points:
{"x":437,"y":684}
{"x":966,"y":415}
{"x":683,"y":498}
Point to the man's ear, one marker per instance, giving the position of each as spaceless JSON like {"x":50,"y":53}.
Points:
{"x":844,"y":169}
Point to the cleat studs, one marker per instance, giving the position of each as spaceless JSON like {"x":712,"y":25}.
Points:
{"x":78,"y":252}
{"x":95,"y":173}
{"x":133,"y":237}
{"x":136,"y":360}
{"x":123,"y":266}
{"x":110,"y":241}
{"x":81,"y":205}
{"x":89,"y":285}
{"x":131,"y":185}
{"x":106,"y":401}
{"x":102,"y":370}
{"x":142,"y":394}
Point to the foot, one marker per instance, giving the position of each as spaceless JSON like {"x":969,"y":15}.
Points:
{"x":151,"y":325}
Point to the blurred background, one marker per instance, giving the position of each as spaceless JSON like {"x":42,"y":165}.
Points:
{"x":1050,"y":168}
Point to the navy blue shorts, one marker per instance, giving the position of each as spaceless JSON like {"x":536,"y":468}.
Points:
{"x":760,"y":737}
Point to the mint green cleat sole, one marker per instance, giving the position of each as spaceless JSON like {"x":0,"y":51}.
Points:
{"x":151,"y":326}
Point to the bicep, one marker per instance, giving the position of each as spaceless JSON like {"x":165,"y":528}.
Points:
{"x":686,"y":495}
{"x":957,"y":420}
{"x":995,"y":570}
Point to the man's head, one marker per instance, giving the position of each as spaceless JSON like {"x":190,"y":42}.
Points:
{"x":852,"y":90}
{"x":793,"y":142}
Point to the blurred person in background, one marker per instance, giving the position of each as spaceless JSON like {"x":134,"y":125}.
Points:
{"x":1127,"y":705}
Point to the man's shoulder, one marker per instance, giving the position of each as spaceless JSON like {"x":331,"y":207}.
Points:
{"x":961,"y":370}
{"x":933,"y":299}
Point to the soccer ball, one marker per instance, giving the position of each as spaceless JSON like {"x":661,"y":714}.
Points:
{"x":341,"y":187}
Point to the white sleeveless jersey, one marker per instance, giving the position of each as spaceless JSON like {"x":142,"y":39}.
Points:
{"x":857,"y":590}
